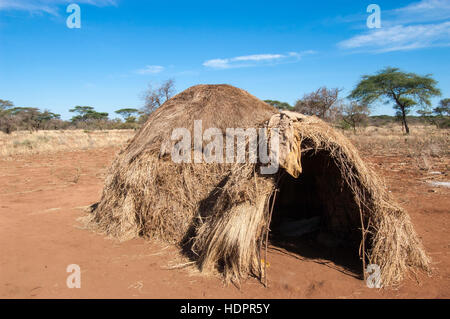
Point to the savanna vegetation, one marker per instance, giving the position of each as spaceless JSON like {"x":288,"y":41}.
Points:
{"x":85,"y":117}
{"x":405,"y":92}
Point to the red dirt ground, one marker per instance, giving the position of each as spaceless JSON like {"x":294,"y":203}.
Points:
{"x":42,"y":196}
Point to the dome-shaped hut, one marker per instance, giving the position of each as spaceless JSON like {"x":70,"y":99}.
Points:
{"x":222,"y":211}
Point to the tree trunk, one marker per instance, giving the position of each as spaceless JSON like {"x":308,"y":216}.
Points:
{"x":402,"y":108}
{"x":405,"y":124}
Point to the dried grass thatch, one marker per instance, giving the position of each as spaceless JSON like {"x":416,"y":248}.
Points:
{"x":221,"y":212}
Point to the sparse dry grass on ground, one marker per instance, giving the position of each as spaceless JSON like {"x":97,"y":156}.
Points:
{"x":424,"y":141}
{"x":24,"y":142}
{"x":425,"y":151}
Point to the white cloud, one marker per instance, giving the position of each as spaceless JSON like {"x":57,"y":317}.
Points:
{"x":48,"y":6}
{"x":423,"y":11}
{"x":151,"y":69}
{"x":217,"y":63}
{"x":418,"y":25}
{"x":416,"y":12}
{"x":255,"y":60}
{"x":258,"y":57}
{"x":401,"y":38}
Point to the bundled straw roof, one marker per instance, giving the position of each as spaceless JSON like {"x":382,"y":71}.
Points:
{"x":221,"y":212}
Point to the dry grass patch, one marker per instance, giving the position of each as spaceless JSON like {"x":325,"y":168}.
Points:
{"x":24,"y":142}
{"x":391,"y":141}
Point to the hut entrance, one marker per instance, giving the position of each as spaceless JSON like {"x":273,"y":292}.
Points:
{"x":315,"y":214}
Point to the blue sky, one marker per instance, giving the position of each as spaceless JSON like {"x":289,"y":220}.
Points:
{"x":273,"y":49}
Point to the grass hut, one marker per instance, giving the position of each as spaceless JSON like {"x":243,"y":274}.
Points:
{"x":223,"y":214}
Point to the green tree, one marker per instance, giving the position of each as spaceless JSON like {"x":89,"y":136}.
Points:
{"x":128,"y":114}
{"x":406,"y":90}
{"x":87,"y":114}
{"x":443,"y":109}
{"x":442,"y":113}
{"x":48,"y":116}
{"x":47,"y":119}
{"x":82,"y":111}
{"x":279,"y":105}
{"x":5,"y":104}
{"x":6,"y":118}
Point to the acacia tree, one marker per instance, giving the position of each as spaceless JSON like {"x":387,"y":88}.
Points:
{"x":442,"y":113}
{"x":406,"y":90}
{"x":128,"y":114}
{"x":155,"y":97}
{"x":322,"y":103}
{"x":6,"y":119}
{"x":48,"y":119}
{"x":5,"y":104}
{"x":88,"y":115}
{"x":443,"y":109}
{"x":279,"y":105}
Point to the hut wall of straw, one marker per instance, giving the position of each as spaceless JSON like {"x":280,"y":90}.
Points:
{"x":221,"y":212}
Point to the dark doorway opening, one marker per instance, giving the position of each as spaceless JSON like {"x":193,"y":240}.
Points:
{"x":315,"y":215}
